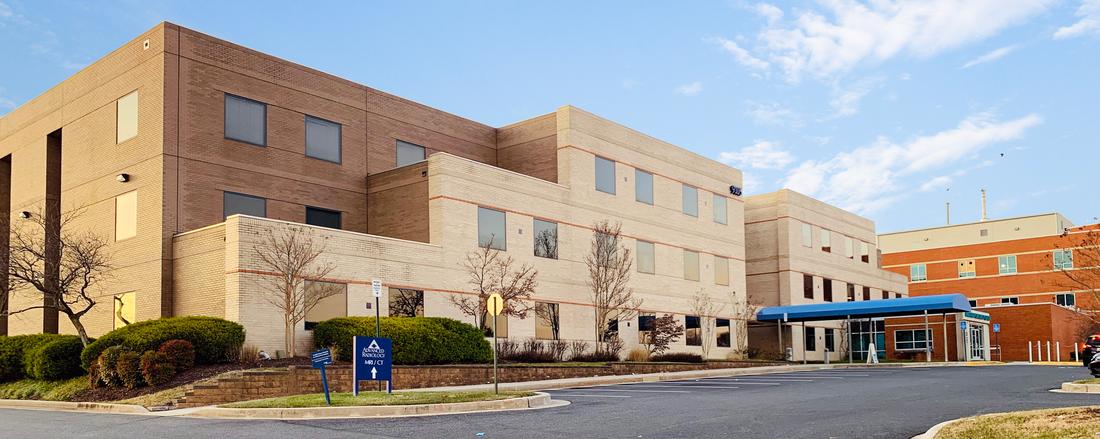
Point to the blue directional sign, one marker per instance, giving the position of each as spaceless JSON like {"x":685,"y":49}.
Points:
{"x":373,"y":359}
{"x":996,"y":327}
{"x":321,"y":358}
{"x":962,"y":325}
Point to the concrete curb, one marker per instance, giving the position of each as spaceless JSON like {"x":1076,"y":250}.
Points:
{"x":94,"y":407}
{"x":932,"y":432}
{"x":537,"y":401}
{"x":1080,"y":388}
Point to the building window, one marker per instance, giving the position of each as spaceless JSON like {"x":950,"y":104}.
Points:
{"x":691,"y":265}
{"x":885,"y":294}
{"x":333,"y":305}
{"x":406,"y":302}
{"x":1066,"y":299}
{"x":501,"y":326}
{"x":234,"y":204}
{"x":720,"y":209}
{"x":912,"y":339}
{"x":866,"y":293}
{"x":966,"y":268}
{"x":864,"y":252}
{"x":983,"y":233}
{"x":807,"y":286}
{"x":322,"y":139}
{"x":125,"y":309}
{"x":605,"y":175}
{"x":546,"y":239}
{"x":851,"y":292}
{"x":126,"y":216}
{"x":126,"y":117}
{"x":611,"y":329}
{"x":830,"y":339}
{"x":897,"y":295}
{"x":491,"y":229}
{"x":645,"y":257}
{"x":918,"y":273}
{"x":807,"y":235}
{"x":1010,"y":300}
{"x":691,"y":200}
{"x":849,"y":251}
{"x":810,"y":336}
{"x":827,"y":289}
{"x":722,"y":332}
{"x":1063,"y":259}
{"x":826,"y":244}
{"x":547,"y":323}
{"x":693,"y":331}
{"x":1006,"y":264}
{"x":245,"y":120}
{"x":409,"y":153}
{"x":972,"y":303}
{"x":643,"y":186}
{"x":316,"y":216}
{"x":645,"y":327}
{"x":721,"y":270}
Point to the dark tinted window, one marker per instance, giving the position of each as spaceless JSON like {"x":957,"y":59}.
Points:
{"x":245,"y":120}
{"x":408,"y":153}
{"x":546,"y":239}
{"x":316,"y":216}
{"x":322,"y":139}
{"x":807,"y":286}
{"x":234,"y":203}
{"x":605,"y":175}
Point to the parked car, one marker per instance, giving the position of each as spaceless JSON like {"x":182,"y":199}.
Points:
{"x":1092,"y":346}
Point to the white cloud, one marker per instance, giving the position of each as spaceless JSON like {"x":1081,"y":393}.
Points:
{"x":741,"y":55}
{"x":691,"y":89}
{"x":851,"y":32}
{"x":940,"y":182}
{"x":845,"y":100}
{"x":5,"y":10}
{"x":750,"y":184}
{"x":773,"y":114}
{"x":1089,"y":14}
{"x":993,"y":55}
{"x":760,"y":155}
{"x":769,"y":11}
{"x":873,"y":177}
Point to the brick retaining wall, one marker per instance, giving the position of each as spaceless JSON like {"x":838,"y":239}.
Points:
{"x":257,"y":384}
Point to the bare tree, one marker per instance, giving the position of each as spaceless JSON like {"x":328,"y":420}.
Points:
{"x":1080,"y":264}
{"x":707,"y":308}
{"x":546,"y":243}
{"x":407,"y":303}
{"x":609,"y":261}
{"x":551,"y":314}
{"x":741,"y":316}
{"x":665,"y":331}
{"x":491,"y":272}
{"x":296,"y":286}
{"x":83,"y":264}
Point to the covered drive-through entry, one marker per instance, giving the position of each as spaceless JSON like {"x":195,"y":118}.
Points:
{"x":864,"y":322}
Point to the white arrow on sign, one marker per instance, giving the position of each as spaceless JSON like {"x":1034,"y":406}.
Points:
{"x":373,"y":373}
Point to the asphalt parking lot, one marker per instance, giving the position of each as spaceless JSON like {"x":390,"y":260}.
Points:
{"x":838,"y":403}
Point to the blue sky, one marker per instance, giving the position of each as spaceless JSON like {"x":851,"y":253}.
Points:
{"x":886,"y":108}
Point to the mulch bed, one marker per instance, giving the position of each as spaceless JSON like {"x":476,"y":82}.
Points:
{"x":188,"y":376}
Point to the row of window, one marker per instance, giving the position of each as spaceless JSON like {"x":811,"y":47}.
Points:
{"x":810,"y":339}
{"x":825,"y":236}
{"x":643,"y":190}
{"x":1006,"y":264}
{"x":492,"y":233}
{"x":234,"y":203}
{"x":246,"y":121}
{"x":1063,"y":299}
{"x":904,"y":339}
{"x":693,"y":330}
{"x":827,"y":290}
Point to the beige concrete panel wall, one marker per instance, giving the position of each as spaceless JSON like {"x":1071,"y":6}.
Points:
{"x":199,"y":272}
{"x":971,"y":233}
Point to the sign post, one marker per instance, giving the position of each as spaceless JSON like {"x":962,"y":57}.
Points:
{"x":321,"y":359}
{"x":997,"y":334}
{"x":494,"y":305}
{"x":376,"y":288}
{"x":373,"y":358}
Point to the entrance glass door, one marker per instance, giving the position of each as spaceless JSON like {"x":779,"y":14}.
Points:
{"x":977,"y":342}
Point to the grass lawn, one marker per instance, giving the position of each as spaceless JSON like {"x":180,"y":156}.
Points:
{"x":559,"y":364}
{"x":63,"y":390}
{"x":1081,"y":422}
{"x":375,"y":398}
{"x":1088,"y":381}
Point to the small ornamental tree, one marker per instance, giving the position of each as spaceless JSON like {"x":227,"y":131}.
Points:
{"x":706,"y":307}
{"x":666,"y":330}
{"x":490,"y":272}
{"x":609,"y":262}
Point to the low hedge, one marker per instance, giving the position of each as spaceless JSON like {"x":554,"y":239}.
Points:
{"x":215,"y":340}
{"x":416,"y":340}
{"x":677,"y":357}
{"x":54,"y":359}
{"x":13,"y":350}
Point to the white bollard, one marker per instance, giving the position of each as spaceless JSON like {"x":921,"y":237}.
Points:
{"x":1058,"y":351}
{"x":1039,"y":351}
{"x":1076,"y":353}
{"x":1029,"y":358}
{"x":1048,"y":351}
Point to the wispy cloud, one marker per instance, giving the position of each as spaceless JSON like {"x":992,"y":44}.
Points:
{"x":873,"y":177}
{"x":5,"y":10}
{"x":6,"y":104}
{"x":846,"y":99}
{"x":630,"y":84}
{"x":990,"y":56}
{"x":741,"y":55}
{"x":691,"y":89}
{"x":773,"y":114}
{"x":762,"y":154}
{"x":1088,"y":22}
{"x":769,"y":12}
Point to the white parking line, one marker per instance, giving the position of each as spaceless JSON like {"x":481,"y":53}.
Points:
{"x":827,"y":377}
{"x":769,"y":380}
{"x":683,"y":385}
{"x":598,"y":389}
{"x":582,"y":395}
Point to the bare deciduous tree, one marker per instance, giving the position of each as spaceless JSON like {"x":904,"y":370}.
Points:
{"x":491,"y":272}
{"x":84,"y":263}
{"x":609,"y":261}
{"x":707,"y":308}
{"x":296,"y":285}
{"x":407,"y":303}
{"x":551,"y":314}
{"x":741,"y":316}
{"x":1080,"y":267}
{"x":665,"y":331}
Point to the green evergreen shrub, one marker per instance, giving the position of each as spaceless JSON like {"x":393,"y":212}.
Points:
{"x":156,"y":368}
{"x":416,"y":340}
{"x":55,"y":359}
{"x":215,"y":340}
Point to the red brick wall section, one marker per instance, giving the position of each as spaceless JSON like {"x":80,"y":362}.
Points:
{"x":1041,"y":322}
{"x":935,"y":324}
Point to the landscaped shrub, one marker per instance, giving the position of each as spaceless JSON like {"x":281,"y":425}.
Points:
{"x":677,"y":357}
{"x":128,"y":368}
{"x":55,"y":359}
{"x":595,"y":357}
{"x":416,"y":340}
{"x":156,"y":368}
{"x":638,"y":353}
{"x":531,"y":351}
{"x":95,"y":379}
{"x":215,"y":340}
{"x":13,"y":350}
{"x":180,"y":352}
{"x":108,"y":366}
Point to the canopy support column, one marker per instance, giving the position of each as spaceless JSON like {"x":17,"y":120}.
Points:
{"x":803,"y":342}
{"x":779,"y":328}
{"x":945,"y":359}
{"x":848,"y":333}
{"x":927,"y":340}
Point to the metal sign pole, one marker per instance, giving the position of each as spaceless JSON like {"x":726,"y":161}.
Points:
{"x":496,"y":382}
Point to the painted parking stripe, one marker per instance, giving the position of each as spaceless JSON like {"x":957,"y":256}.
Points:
{"x":582,"y":395}
{"x":631,"y":390}
{"x":674,"y":384}
{"x":760,"y":380}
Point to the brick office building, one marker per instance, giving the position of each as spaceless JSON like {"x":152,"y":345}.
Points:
{"x":185,"y":151}
{"x":1012,"y":269}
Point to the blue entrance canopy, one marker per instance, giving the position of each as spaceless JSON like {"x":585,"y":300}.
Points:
{"x":908,"y":306}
